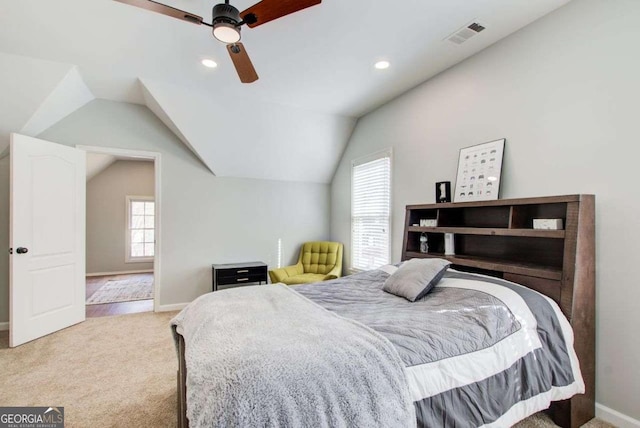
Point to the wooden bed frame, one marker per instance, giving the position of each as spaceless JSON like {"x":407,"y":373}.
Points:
{"x":497,"y":238}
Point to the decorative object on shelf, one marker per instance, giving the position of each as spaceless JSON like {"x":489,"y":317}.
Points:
{"x":424,"y":243}
{"x":479,"y":171}
{"x":428,"y":222}
{"x":449,"y":244}
{"x":547,"y":223}
{"x":443,"y":191}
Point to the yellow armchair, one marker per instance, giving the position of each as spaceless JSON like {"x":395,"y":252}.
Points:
{"x":318,"y":261}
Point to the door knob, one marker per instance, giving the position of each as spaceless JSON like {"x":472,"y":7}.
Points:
{"x":22,"y":250}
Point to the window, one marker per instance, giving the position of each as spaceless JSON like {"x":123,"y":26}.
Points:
{"x":370,"y":211}
{"x":141,"y":229}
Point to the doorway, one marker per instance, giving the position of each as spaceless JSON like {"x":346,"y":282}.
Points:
{"x":123,"y":231}
{"x":119,"y":294}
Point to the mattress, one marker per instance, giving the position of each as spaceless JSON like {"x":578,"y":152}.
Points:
{"x":477,"y":350}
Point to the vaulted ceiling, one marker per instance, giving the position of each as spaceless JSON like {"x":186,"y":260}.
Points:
{"x":35,"y":94}
{"x":315,"y":66}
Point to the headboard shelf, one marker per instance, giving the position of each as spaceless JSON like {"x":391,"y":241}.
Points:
{"x":489,"y":264}
{"x":533,"y":233}
{"x":497,"y":238}
{"x":502,"y":202}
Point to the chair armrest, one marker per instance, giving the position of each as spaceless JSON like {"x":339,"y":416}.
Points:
{"x":336,"y":272}
{"x":277,"y":275}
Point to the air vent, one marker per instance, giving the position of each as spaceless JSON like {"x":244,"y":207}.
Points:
{"x":465,"y":33}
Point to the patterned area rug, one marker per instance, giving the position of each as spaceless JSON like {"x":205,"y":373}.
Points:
{"x":125,"y":290}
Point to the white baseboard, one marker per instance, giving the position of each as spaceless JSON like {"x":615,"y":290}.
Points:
{"x":615,"y":418}
{"x":170,"y":308}
{"x":127,"y":272}
{"x":4,"y":326}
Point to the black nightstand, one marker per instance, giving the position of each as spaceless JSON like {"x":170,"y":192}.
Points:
{"x":238,"y":273}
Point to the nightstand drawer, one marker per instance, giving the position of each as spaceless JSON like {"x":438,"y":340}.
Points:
{"x":241,"y":279}
{"x":242,"y":272}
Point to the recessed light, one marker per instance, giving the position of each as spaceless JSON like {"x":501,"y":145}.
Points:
{"x":209,"y":63}
{"x":382,"y":65}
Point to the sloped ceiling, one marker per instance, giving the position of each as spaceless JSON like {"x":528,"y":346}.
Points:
{"x":35,"y":94}
{"x":277,"y":142}
{"x":316,"y":71}
{"x":70,"y":94}
{"x":98,"y":162}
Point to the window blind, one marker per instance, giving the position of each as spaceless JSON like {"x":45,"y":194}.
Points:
{"x":370,"y":212}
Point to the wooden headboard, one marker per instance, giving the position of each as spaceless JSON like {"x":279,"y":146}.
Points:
{"x":497,"y":238}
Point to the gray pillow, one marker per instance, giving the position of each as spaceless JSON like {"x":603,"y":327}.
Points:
{"x":415,"y":278}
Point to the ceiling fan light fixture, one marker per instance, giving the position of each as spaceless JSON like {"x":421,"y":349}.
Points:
{"x":226,"y":23}
{"x":226,"y":32}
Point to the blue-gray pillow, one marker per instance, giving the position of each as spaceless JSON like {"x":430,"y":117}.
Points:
{"x":415,"y":278}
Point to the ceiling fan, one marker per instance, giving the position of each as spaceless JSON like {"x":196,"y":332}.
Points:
{"x":227,"y":22}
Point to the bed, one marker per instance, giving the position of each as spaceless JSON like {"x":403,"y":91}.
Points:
{"x":477,"y":351}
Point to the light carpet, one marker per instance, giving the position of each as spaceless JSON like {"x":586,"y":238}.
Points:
{"x":125,"y":290}
{"x":111,"y":372}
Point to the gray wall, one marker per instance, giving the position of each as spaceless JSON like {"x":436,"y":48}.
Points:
{"x":107,"y":214}
{"x":205,"y":219}
{"x":564,"y":91}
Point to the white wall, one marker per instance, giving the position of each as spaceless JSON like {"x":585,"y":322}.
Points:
{"x":564,"y":91}
{"x":107,"y":214}
{"x":205,"y":219}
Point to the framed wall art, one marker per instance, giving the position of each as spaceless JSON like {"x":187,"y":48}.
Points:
{"x":443,"y":191}
{"x":479,"y":171}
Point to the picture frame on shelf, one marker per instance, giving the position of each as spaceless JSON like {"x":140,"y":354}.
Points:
{"x":443,"y":192}
{"x":479,"y":172}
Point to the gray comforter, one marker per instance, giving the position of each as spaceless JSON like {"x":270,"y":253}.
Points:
{"x":446,"y":323}
{"x":440,"y":335}
{"x":267,"y":357}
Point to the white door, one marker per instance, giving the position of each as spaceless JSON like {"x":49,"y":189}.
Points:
{"x":47,"y":228}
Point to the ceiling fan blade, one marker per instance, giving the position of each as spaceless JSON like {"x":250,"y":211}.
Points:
{"x":243,"y":64}
{"x":165,"y":10}
{"x":268,"y":10}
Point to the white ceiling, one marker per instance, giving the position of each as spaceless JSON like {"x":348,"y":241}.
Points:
{"x":279,"y":143}
{"x":315,"y":67}
{"x":98,"y":162}
{"x":35,"y":94}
